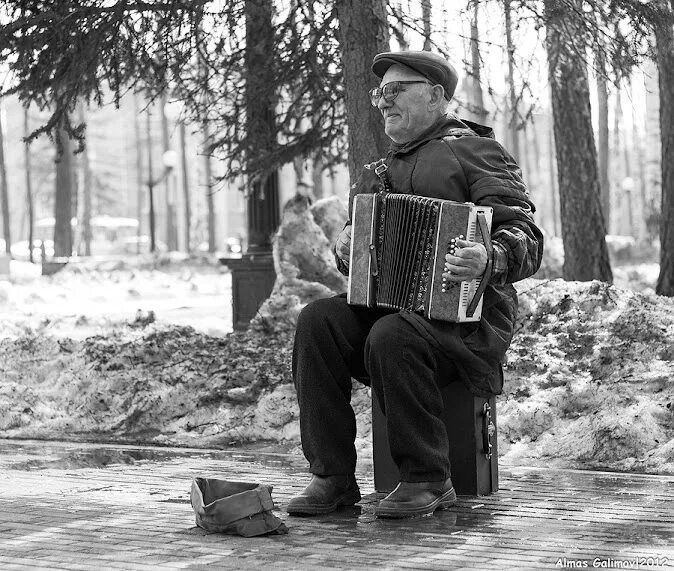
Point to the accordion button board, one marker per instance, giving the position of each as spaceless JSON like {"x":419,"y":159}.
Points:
{"x":398,"y":248}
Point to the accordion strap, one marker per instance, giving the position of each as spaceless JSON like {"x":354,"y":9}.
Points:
{"x":486,"y":239}
{"x":380,"y":168}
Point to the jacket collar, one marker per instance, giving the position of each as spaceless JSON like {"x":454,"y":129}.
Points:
{"x":440,"y":129}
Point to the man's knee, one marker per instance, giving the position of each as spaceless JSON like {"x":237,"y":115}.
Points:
{"x":316,"y":314}
{"x":391,"y":336}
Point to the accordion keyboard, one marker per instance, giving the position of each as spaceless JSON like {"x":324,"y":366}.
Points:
{"x":407,"y":228}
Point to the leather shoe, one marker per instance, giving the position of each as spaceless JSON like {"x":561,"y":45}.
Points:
{"x":325,"y":494}
{"x":415,"y":499}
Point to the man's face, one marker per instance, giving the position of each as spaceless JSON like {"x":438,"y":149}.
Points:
{"x":408,"y":115}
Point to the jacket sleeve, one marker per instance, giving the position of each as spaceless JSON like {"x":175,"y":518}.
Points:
{"x":495,"y":180}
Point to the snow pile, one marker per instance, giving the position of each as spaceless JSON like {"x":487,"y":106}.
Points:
{"x":588,"y":382}
{"x":589,"y":378}
{"x":143,"y":382}
{"x":89,"y":297}
{"x":303,"y":260}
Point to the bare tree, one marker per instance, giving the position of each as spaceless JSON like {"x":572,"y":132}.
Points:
{"x":185,"y":184}
{"x":29,"y":190}
{"x":84,"y":209}
{"x":426,"y":15}
{"x":398,"y":27}
{"x":554,"y":190}
{"x":150,"y":182}
{"x":639,"y":169}
{"x":203,"y":78}
{"x":664,"y":35}
{"x":619,"y":168}
{"x":476,"y":108}
{"x":63,"y":201}
{"x":652,"y":151}
{"x":583,"y":229}
{"x":140,"y":186}
{"x":4,"y":191}
{"x":512,"y":112}
{"x":603,"y":134}
{"x":208,"y":175}
{"x":169,"y":182}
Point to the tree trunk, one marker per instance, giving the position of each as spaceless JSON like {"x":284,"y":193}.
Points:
{"x":263,"y":199}
{"x":639,"y":171}
{"x":186,"y":185}
{"x":169,"y":183}
{"x":583,"y":228}
{"x":208,"y":174}
{"x":624,"y":183}
{"x":627,"y":186}
{"x":552,"y":171}
{"x":618,"y":172}
{"x":29,"y":190}
{"x":206,"y":139}
{"x":535,"y":166}
{"x":513,"y":138}
{"x":653,"y":171}
{"x":63,"y":203}
{"x":525,"y":159}
{"x":602,"y":136}
{"x":363,"y":33}
{"x":140,"y":187}
{"x":150,"y":182}
{"x":477,"y":111}
{"x":426,"y":14}
{"x":84,"y":217}
{"x":318,"y":163}
{"x":4,"y":191}
{"x":317,"y":176}
{"x":400,"y":30}
{"x":664,"y":37}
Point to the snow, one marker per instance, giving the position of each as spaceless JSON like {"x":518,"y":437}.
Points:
{"x":88,"y":297}
{"x":141,"y":350}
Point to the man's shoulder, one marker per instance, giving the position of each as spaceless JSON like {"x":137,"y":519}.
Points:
{"x":457,"y":132}
{"x":459,"y":140}
{"x":463,"y":141}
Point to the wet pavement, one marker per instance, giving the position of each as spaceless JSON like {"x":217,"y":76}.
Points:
{"x":86,"y":506}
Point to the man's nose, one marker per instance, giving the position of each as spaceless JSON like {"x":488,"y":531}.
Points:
{"x":383,"y":104}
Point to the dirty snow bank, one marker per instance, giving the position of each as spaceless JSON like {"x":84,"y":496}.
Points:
{"x":589,"y":378}
{"x":588,"y":382}
{"x":148,"y":383}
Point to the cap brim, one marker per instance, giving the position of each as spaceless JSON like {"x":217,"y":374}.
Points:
{"x":381,"y":65}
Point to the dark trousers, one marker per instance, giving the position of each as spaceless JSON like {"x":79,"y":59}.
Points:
{"x":335,"y":342}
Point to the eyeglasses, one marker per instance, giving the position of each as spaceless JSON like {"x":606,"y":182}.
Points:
{"x":390,"y":91}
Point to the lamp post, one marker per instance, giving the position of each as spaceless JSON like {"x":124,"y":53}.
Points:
{"x":253,"y":275}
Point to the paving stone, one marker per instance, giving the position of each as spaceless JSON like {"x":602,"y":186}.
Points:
{"x":137,"y":516}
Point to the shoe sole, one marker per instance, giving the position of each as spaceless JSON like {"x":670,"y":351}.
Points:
{"x":447,"y":500}
{"x":349,"y":498}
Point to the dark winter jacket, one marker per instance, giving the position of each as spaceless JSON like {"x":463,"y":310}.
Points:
{"x":461,"y":161}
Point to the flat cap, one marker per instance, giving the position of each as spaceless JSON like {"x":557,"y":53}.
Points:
{"x":432,"y":66}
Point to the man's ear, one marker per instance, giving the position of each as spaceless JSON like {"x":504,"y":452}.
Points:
{"x":437,"y":96}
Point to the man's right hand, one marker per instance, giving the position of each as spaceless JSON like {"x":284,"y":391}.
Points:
{"x":343,"y":245}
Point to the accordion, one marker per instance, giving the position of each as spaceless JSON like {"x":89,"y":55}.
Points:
{"x":398,"y":248}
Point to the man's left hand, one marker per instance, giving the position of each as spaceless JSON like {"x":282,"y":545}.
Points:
{"x":468,"y":262}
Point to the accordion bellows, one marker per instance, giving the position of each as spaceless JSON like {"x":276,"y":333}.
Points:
{"x":398,"y":248}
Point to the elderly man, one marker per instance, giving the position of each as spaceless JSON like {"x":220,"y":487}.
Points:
{"x":406,"y":357}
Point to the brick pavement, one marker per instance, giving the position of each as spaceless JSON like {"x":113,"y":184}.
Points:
{"x":78,"y":506}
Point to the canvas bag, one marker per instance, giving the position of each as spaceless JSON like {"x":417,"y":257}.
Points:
{"x":234,"y":507}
